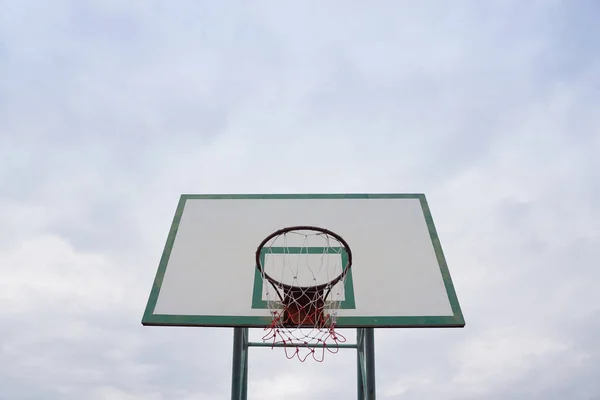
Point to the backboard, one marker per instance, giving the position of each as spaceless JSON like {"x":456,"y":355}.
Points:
{"x":208,"y":273}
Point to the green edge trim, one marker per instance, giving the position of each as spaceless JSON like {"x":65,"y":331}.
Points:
{"x":164,"y":260}
{"x":435,"y":240}
{"x":341,"y":322}
{"x":303,"y":196}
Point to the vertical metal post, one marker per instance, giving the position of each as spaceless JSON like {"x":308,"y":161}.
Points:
{"x":244,"y":395}
{"x":360,"y":367}
{"x":369,"y":340}
{"x":237,"y":367}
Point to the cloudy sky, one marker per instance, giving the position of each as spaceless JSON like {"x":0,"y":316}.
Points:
{"x":109,"y":110}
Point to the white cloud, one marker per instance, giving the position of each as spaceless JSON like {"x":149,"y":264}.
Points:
{"x":503,"y":354}
{"x":46,"y":270}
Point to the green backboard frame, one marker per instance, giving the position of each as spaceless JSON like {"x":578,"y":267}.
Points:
{"x":427,"y":321}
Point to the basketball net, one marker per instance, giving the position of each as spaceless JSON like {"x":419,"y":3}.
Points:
{"x":304,"y":270}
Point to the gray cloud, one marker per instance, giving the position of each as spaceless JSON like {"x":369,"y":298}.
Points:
{"x":109,"y":111}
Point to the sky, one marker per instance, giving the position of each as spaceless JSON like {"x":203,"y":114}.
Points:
{"x":110,"y":110}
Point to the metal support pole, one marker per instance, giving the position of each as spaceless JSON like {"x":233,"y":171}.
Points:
{"x":360,"y":366}
{"x":245,"y":371}
{"x":238,"y":364}
{"x":370,"y":362}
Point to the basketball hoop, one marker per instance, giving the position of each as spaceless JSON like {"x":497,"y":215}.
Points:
{"x":305,"y":267}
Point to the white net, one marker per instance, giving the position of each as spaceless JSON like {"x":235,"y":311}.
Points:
{"x":304,"y":272}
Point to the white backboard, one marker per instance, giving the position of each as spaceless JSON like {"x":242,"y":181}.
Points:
{"x":207,"y":275}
